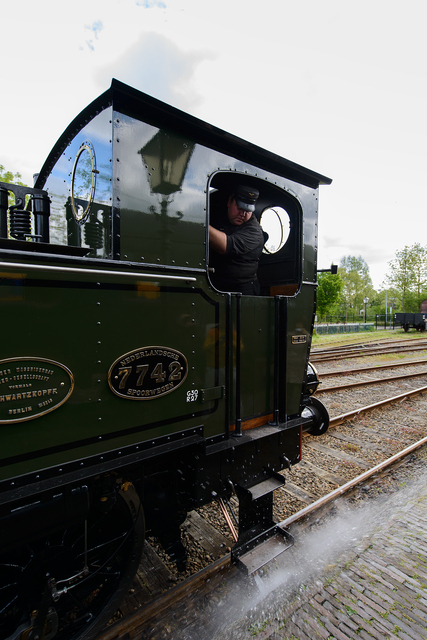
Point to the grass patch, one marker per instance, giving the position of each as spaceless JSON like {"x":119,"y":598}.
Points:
{"x":354,"y":448}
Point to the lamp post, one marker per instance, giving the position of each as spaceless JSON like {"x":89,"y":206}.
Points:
{"x":392,"y":301}
{"x":365,"y":301}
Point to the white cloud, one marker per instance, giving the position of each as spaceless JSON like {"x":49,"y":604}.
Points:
{"x":157,"y":66}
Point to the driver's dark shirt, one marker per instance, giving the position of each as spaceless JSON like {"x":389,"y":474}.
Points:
{"x":239,"y":265}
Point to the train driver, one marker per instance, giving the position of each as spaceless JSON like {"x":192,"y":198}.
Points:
{"x":236,"y":241}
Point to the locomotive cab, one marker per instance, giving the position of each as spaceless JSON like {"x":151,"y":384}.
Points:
{"x":131,"y":389}
{"x":274,"y":378}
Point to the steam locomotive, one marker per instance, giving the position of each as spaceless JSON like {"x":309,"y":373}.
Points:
{"x":131,"y":390}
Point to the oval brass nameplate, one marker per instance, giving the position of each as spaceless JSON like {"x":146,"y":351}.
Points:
{"x":32,"y":387}
{"x":147,"y":373}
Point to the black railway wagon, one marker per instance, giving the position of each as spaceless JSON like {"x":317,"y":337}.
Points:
{"x":131,"y":390}
{"x":408,"y":321}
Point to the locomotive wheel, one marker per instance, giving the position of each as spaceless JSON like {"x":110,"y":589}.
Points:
{"x":321,"y":416}
{"x":57,"y":588}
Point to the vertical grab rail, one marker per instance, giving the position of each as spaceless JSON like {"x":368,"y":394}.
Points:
{"x":276,"y":411}
{"x":228,"y":356}
{"x":280,"y":375}
{"x":238,"y":427}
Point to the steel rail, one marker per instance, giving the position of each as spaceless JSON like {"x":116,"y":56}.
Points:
{"x":373,"y":344}
{"x":126,"y":626}
{"x":365,"y":383}
{"x":334,"y":422}
{"x":351,"y":484}
{"x":375,"y":367}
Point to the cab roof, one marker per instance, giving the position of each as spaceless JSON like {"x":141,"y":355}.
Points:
{"x":129,"y":101}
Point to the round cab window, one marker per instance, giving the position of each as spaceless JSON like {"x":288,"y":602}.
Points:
{"x":275,"y":222}
{"x":83,"y":181}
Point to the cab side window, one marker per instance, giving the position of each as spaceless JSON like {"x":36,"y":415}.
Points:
{"x":279,"y":216}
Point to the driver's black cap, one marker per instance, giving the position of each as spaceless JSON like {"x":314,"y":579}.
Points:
{"x":246,"y":197}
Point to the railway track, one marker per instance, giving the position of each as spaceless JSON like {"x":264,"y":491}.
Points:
{"x":371,"y":368}
{"x":371,"y":349}
{"x":161,"y":599}
{"x":365,"y":383}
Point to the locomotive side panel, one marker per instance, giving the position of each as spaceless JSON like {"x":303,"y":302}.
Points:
{"x":155,"y":332}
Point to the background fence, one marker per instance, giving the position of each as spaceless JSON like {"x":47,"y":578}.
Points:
{"x":341,"y":324}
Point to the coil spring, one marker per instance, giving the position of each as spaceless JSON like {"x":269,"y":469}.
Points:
{"x":19,"y":221}
{"x":93,"y":233}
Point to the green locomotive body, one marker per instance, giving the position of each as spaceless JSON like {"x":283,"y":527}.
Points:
{"x":128,"y":383}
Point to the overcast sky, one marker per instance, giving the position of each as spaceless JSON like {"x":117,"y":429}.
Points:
{"x":335,"y":85}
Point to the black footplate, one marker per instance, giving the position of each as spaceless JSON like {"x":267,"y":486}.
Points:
{"x":258,"y":551}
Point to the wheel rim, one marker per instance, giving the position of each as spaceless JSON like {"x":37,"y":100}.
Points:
{"x":45,"y":583}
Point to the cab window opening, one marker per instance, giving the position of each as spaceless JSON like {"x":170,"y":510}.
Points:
{"x":279,"y":217}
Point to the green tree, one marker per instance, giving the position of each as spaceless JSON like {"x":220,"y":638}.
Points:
{"x":357,"y":283}
{"x":420,"y":272}
{"x":8,"y":176}
{"x":408,"y":276}
{"x":329,"y":291}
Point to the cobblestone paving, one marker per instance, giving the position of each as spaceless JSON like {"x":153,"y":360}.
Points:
{"x":375,"y":588}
